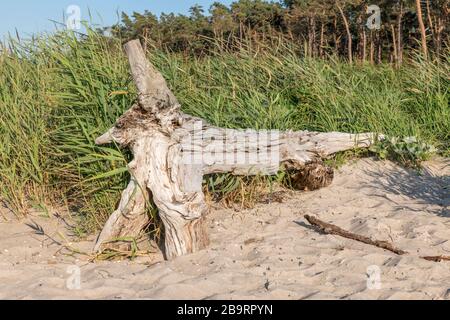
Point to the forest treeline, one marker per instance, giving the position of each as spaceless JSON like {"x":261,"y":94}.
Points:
{"x":321,"y":28}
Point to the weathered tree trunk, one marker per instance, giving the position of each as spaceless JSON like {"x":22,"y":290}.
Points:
{"x":173,"y":151}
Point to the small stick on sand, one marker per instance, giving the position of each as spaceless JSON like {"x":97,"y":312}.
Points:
{"x":335,"y":230}
{"x":328,"y":228}
{"x":437,"y":259}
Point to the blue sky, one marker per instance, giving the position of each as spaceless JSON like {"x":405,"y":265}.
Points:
{"x":33,"y":16}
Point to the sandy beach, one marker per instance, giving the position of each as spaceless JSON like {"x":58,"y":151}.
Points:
{"x":268,"y":252}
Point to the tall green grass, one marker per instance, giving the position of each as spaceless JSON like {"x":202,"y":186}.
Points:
{"x":58,"y":93}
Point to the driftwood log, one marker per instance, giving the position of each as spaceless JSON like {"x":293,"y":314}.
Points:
{"x":173,"y":151}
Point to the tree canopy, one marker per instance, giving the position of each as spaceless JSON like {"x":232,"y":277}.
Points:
{"x":321,"y":27}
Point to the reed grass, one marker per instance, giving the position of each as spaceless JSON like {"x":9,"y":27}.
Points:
{"x":58,"y":93}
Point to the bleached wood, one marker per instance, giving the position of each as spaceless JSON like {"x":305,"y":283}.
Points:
{"x":154,"y":95}
{"x":265,"y":152}
{"x":173,"y":151}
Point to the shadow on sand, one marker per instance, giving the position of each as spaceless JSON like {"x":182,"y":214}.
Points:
{"x":428,"y":187}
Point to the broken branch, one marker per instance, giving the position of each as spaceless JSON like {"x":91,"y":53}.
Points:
{"x":328,"y":228}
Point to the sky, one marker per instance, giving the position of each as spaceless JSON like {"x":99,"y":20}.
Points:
{"x":34,"y":16}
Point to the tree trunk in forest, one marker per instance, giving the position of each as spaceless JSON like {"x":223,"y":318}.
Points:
{"x":349,"y":35}
{"x":364,"y":45}
{"x":335,"y":37}
{"x":322,"y":39}
{"x":379,"y":49}
{"x":312,"y":46}
{"x":372,"y":49}
{"x":173,"y":151}
{"x":422,"y":29}
{"x":394,"y":44}
{"x":431,"y":24}
{"x":440,"y":26}
{"x":400,"y":35}
{"x":437,"y":25}
{"x":314,"y":36}
{"x":309,"y":47}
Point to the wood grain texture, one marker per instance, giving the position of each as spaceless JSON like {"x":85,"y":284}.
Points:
{"x":173,"y":151}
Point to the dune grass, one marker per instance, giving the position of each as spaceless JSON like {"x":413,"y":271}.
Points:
{"x":58,"y":93}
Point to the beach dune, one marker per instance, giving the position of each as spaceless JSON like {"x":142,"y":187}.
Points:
{"x":270,"y":251}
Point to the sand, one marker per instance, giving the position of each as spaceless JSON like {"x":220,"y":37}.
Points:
{"x":268,"y":252}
